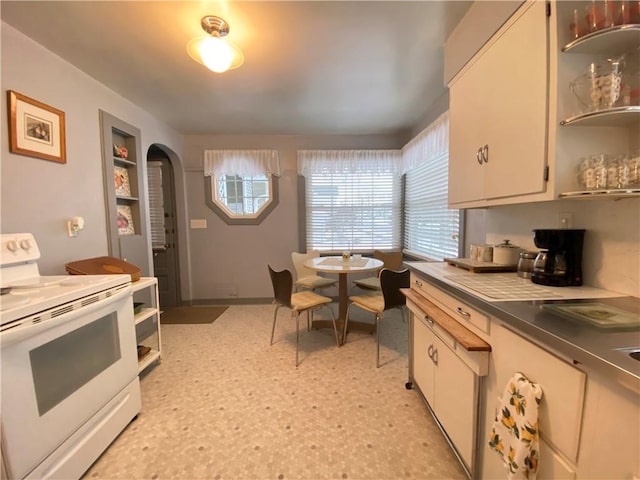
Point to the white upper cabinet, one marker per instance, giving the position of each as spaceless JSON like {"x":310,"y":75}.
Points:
{"x":498,"y":108}
{"x":517,"y":130}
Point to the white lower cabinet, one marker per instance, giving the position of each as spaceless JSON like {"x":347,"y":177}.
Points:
{"x":147,"y":321}
{"x":561,"y":409}
{"x":448,"y":384}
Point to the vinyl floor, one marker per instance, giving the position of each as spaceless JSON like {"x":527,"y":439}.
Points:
{"x":224,"y":404}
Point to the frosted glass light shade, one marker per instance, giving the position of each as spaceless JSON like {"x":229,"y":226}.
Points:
{"x":215,"y":53}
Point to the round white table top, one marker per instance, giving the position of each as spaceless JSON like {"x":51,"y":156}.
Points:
{"x":338,"y":265}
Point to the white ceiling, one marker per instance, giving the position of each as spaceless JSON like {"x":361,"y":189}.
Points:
{"x":310,"y":67}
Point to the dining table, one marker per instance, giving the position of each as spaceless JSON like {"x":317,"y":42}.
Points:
{"x":343,"y":267}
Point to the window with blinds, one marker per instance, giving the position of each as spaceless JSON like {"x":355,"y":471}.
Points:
{"x":156,"y":204}
{"x":431,"y":229}
{"x":353,"y":211}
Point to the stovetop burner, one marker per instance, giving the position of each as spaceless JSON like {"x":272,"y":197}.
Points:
{"x":31,"y":292}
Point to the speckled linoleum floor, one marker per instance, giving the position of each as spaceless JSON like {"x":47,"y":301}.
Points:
{"x":223,"y":404}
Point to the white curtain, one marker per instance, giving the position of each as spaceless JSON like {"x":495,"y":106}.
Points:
{"x":432,"y":142}
{"x":244,"y":163}
{"x":348,"y":162}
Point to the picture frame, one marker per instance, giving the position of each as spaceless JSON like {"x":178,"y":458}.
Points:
{"x":121,"y":181}
{"x":125,"y":220}
{"x":36,"y":129}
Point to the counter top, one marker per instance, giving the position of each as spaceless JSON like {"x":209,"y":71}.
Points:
{"x":599,"y":346}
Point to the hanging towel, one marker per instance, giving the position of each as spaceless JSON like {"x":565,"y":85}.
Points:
{"x":515,"y":431}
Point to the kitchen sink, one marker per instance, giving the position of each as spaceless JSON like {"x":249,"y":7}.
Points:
{"x":633,"y":352}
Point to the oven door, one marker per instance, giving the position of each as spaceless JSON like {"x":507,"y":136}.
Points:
{"x":58,"y":373}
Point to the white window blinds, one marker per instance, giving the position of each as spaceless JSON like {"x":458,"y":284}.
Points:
{"x":431,"y":229}
{"x":156,"y":205}
{"x":353,"y":199}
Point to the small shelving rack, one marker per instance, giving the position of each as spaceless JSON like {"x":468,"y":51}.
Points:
{"x":147,"y":320}
{"x":610,"y":41}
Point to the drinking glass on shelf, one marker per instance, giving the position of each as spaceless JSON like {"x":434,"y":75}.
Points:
{"x":633,"y":168}
{"x":592,"y":172}
{"x":617,"y":171}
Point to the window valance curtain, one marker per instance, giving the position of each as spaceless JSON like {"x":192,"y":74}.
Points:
{"x":244,"y":163}
{"x":345,"y":162}
{"x":432,"y":142}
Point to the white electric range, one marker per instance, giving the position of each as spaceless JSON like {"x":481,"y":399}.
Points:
{"x":68,"y":364}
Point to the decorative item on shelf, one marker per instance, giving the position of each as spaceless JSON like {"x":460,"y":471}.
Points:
{"x":213,"y":51}
{"x":121,"y":181}
{"x":143,"y":351}
{"x":36,"y":129}
{"x":137,"y":307}
{"x":125,"y":220}
{"x":600,"y":87}
{"x":120,"y":151}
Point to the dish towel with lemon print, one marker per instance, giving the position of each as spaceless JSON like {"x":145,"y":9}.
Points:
{"x":515,"y":431}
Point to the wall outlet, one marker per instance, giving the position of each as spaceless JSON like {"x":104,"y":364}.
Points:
{"x":565,"y":220}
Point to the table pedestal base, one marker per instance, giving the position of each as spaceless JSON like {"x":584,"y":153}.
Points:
{"x":353,"y":327}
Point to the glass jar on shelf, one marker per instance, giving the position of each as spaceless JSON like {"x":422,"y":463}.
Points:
{"x":617,"y":171}
{"x":592,"y":172}
{"x":633,"y":168}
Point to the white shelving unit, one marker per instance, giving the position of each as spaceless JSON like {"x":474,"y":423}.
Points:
{"x":147,"y":321}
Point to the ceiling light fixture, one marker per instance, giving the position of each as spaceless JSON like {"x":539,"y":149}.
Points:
{"x":215,"y":52}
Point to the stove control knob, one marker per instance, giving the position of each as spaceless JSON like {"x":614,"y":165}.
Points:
{"x":25,"y":244}
{"x":12,"y":245}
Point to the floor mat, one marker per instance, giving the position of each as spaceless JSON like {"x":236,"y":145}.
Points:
{"x":186,"y":315}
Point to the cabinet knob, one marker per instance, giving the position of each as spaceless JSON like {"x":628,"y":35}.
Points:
{"x":462,"y":313}
{"x":485,"y":153}
{"x":434,"y":357}
{"x":430,"y":351}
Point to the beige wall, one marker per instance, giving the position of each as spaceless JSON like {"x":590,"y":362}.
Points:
{"x":230,"y":261}
{"x":38,"y":196}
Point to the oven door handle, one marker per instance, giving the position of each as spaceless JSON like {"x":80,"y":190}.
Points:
{"x":19,"y":332}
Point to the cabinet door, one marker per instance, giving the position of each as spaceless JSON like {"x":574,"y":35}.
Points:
{"x":455,"y":402}
{"x":500,"y":101}
{"x":423,"y":367}
{"x":466,"y":136}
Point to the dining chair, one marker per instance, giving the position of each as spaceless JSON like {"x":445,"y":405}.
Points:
{"x":306,"y":277}
{"x":391,"y":281}
{"x":297,"y":303}
{"x":390,"y":260}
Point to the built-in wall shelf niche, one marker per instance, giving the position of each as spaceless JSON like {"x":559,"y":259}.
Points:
{"x":123,"y":169}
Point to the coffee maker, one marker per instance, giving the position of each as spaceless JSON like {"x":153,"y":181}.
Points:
{"x":560,"y":263}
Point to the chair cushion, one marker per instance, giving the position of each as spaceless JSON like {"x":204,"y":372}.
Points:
{"x":305,"y":300}
{"x":372,"y":303}
{"x":371,"y":283}
{"x":315,"y":281}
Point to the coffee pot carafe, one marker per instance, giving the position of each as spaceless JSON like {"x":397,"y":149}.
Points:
{"x":560,"y":263}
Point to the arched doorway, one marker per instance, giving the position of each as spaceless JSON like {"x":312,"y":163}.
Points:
{"x":164,"y":226}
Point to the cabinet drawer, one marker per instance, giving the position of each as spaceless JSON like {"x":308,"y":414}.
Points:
{"x":469,"y":316}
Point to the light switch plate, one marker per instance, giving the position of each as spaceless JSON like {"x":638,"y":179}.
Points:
{"x":197,"y":223}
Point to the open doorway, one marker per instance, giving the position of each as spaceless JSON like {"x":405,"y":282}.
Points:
{"x":164,"y":228}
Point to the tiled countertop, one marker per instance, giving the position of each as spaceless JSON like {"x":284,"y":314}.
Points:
{"x":599,"y":347}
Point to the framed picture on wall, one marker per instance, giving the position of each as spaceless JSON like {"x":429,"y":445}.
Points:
{"x":121,"y":181}
{"x":125,"y":220}
{"x":36,"y":129}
